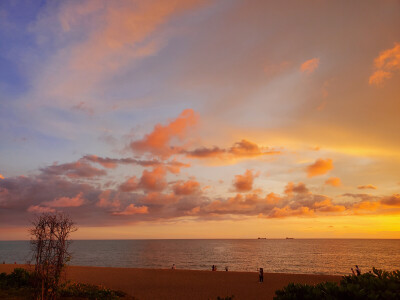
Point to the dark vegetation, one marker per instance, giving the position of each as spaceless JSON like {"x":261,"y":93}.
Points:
{"x":375,"y":285}
{"x":20,"y":284}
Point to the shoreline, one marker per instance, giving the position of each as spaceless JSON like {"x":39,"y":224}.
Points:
{"x":181,"y":284}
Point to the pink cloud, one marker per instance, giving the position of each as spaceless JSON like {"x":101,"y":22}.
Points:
{"x":131,"y":209}
{"x":159,"y":198}
{"x":310,"y":65}
{"x":158,"y":142}
{"x":107,"y":200}
{"x":153,"y":180}
{"x":66,"y":201}
{"x":40,"y":209}
{"x":186,"y":187}
{"x":130,"y":185}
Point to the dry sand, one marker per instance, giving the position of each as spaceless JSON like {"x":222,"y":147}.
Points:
{"x":186,"y":284}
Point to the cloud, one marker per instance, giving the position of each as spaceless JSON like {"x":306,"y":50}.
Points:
{"x":242,"y":149}
{"x":77,"y":169}
{"x":289,"y":212}
{"x":393,"y":200}
{"x":186,"y":187}
{"x":40,"y":209}
{"x":173,"y":166}
{"x":131,"y":209}
{"x":153,"y":180}
{"x":292,"y":188}
{"x":310,"y":65}
{"x":368,"y":186}
{"x":130,"y":185}
{"x":66,"y":201}
{"x":158,"y":141}
{"x":1,"y":176}
{"x":108,"y":199}
{"x":159,"y":198}
{"x":386,"y":65}
{"x":319,"y":167}
{"x":333,"y":181}
{"x":244,"y":183}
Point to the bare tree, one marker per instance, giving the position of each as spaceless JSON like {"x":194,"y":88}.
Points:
{"x":50,"y":241}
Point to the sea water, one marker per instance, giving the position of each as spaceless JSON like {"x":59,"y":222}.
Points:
{"x":308,"y":256}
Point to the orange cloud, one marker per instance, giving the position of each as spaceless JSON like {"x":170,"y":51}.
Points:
{"x":158,"y":141}
{"x":310,"y":65}
{"x":131,"y":209}
{"x":1,"y":176}
{"x":159,"y":198}
{"x":153,"y":180}
{"x":300,"y":188}
{"x":386,"y":64}
{"x":186,"y":188}
{"x":66,"y":201}
{"x":393,"y":200}
{"x":130,"y":185}
{"x":289,"y":212}
{"x":333,"y":181}
{"x":244,"y":183}
{"x":368,"y":186}
{"x":320,"y":167}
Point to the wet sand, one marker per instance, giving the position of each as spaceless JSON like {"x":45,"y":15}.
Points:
{"x":186,"y":284}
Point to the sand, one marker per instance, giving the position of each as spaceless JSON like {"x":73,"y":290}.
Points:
{"x":186,"y":284}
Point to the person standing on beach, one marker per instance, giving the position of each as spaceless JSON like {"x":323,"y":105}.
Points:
{"x":358,"y":271}
{"x":261,"y":275}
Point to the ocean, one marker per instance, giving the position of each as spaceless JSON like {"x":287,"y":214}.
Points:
{"x":306,"y":256}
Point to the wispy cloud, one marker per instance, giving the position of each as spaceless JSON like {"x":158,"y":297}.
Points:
{"x":310,"y":65}
{"x":386,"y":65}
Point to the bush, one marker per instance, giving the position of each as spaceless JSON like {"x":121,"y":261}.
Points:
{"x":19,"y":278}
{"x":19,"y":285}
{"x":89,"y":291}
{"x":376,"y":285}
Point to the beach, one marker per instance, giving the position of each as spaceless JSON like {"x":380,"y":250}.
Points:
{"x":184,"y":284}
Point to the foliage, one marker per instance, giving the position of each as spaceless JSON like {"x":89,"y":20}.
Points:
{"x":50,"y":242}
{"x":376,"y":285}
{"x":19,"y":285}
{"x":89,"y":291}
{"x":226,"y":298}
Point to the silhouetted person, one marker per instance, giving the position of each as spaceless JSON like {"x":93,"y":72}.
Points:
{"x":173,"y":267}
{"x":226,"y":269}
{"x":213,"y":268}
{"x":358,"y":271}
{"x":261,"y":275}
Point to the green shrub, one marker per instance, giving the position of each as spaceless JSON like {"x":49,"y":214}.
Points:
{"x":376,"y":285}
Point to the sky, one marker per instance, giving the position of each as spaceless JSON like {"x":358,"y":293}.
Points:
{"x":201,"y":119}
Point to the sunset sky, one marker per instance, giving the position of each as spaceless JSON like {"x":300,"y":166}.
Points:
{"x":201,"y":119}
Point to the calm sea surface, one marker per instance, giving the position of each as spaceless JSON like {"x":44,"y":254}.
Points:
{"x":317,"y":256}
